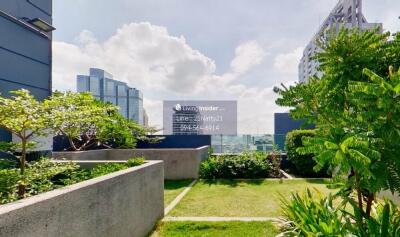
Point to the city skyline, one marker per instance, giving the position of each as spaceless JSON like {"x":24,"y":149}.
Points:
{"x":238,"y":56}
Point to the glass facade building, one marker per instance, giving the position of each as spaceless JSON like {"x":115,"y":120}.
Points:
{"x":104,"y":87}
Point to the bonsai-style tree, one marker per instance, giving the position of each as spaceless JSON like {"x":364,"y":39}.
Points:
{"x":355,"y":106}
{"x":78,"y":116}
{"x":25,"y":117}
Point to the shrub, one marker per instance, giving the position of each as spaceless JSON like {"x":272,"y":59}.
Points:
{"x":40,"y":176}
{"x":135,"y":161}
{"x":246,"y":165}
{"x":44,"y":175}
{"x":303,"y":164}
{"x":107,"y":168}
{"x":309,"y":215}
{"x":8,"y":185}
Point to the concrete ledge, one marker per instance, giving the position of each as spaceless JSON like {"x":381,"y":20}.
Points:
{"x":178,"y":163}
{"x":125,"y":203}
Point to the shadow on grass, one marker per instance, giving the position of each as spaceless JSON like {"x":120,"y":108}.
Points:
{"x":232,"y":182}
{"x":237,"y":182}
{"x":176,"y":184}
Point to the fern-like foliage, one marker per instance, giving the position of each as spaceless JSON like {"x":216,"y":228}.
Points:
{"x":355,"y":106}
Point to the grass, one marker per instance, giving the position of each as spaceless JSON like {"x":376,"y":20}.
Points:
{"x":172,"y":188}
{"x":216,"y":229}
{"x":250,"y":198}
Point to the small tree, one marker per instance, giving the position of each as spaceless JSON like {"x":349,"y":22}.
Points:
{"x":118,"y":132}
{"x":25,"y":117}
{"x":355,"y":107}
{"x":78,"y":117}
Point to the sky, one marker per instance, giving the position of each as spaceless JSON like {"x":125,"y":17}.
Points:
{"x":196,"y":49}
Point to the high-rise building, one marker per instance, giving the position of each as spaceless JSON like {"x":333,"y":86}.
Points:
{"x":25,"y":49}
{"x":347,"y":14}
{"x":104,"y":87}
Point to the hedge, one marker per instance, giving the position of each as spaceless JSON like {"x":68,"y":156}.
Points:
{"x":248,"y":165}
{"x":302,"y":165}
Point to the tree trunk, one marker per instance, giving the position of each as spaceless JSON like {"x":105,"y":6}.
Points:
{"x":371,"y":198}
{"x":21,"y":187}
{"x":23,"y":156}
{"x":72,"y":144}
{"x":359,"y":193}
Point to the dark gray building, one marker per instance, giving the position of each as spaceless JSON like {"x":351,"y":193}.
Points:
{"x":25,"y":48}
{"x":284,"y":124}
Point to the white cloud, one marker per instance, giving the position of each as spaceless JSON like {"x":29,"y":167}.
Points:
{"x":143,"y":55}
{"x":247,"y":55}
{"x":287,"y":63}
{"x":166,"y":67}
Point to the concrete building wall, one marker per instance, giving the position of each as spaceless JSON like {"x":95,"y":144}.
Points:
{"x":127,"y":203}
{"x":34,"y":58}
{"x":178,"y":163}
{"x":24,"y":65}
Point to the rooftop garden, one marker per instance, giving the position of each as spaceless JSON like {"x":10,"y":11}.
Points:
{"x":355,"y":107}
{"x":352,"y":154}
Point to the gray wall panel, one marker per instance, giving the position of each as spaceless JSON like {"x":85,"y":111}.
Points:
{"x":20,"y":40}
{"x":22,"y":70}
{"x":5,"y":87}
{"x":24,"y":8}
{"x":25,"y":56}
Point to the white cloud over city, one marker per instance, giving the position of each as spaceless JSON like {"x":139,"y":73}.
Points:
{"x":213,"y":50}
{"x":163,"y":66}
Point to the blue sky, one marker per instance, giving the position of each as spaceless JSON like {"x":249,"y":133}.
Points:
{"x":192,"y":49}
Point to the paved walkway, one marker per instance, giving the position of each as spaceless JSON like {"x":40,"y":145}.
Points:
{"x":288,"y":176}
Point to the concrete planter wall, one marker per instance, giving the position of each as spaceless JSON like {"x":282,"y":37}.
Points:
{"x":178,"y":163}
{"x":127,"y":203}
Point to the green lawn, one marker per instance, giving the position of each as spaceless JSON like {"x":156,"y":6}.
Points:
{"x":255,"y":198}
{"x":216,"y":229}
{"x":173,"y":188}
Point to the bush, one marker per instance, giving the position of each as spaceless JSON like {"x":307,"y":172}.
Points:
{"x":309,"y":215}
{"x":39,"y":177}
{"x":44,"y":175}
{"x":246,"y":165}
{"x":108,"y":168}
{"x":135,"y":161}
{"x":303,"y":165}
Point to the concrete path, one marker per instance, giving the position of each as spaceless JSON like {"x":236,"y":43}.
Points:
{"x":217,"y":219}
{"x":288,"y":176}
{"x":178,"y":198}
